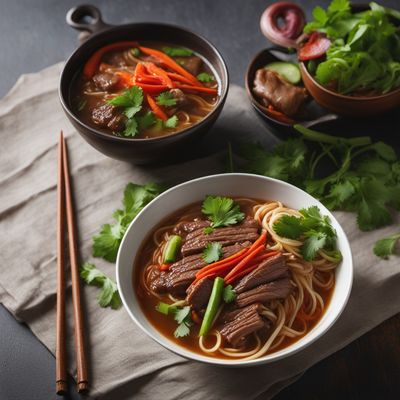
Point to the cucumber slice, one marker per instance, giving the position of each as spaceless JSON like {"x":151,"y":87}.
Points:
{"x":288,"y":71}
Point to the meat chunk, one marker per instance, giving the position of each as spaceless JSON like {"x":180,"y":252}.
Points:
{"x":115,"y":58}
{"x":196,"y":240}
{"x":179,"y":96}
{"x":282,"y":95}
{"x":107,"y":115}
{"x":242,"y":322}
{"x":199,"y":294}
{"x":106,"y":81}
{"x":188,"y":227}
{"x":192,"y":64}
{"x":275,"y":290}
{"x":117,"y":123}
{"x":269,"y":270}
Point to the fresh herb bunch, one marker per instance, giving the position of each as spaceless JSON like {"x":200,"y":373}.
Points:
{"x":315,"y":229}
{"x":387,"y":246}
{"x":365,"y":49}
{"x":108,"y":295}
{"x":364,"y":177}
{"x":106,"y":243}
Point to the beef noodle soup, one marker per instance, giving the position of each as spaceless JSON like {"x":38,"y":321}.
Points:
{"x":217,"y":278}
{"x":144,"y":90}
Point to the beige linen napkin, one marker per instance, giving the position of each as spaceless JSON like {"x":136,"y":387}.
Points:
{"x":124,"y":362}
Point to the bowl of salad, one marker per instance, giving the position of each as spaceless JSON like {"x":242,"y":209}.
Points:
{"x":348,"y":55}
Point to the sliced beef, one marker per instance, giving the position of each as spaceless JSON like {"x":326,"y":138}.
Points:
{"x":192,"y":64}
{"x":117,"y":123}
{"x":116,"y":59}
{"x":188,"y":227}
{"x":106,"y":81}
{"x":180,"y":97}
{"x":196,"y":240}
{"x":242,"y":322}
{"x":102,"y":115}
{"x":199,"y":294}
{"x":183,"y":272}
{"x":269,"y":270}
{"x":283,"y":96}
{"x":275,"y":290}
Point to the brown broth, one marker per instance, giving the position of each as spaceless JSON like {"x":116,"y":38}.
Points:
{"x":165,"y":324}
{"x":85,"y":96}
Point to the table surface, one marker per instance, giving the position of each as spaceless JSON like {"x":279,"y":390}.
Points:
{"x":34,"y":35}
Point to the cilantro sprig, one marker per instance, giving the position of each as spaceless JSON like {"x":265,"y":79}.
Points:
{"x":221,"y":211}
{"x":177,"y":51}
{"x":205,"y":77}
{"x":228,"y":294}
{"x":387,"y":246}
{"x":314,"y":228}
{"x":166,"y":99}
{"x":108,"y":296}
{"x":181,"y":316}
{"x":107,"y":242}
{"x":212,"y":252}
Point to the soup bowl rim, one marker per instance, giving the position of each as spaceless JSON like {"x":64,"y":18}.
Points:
{"x":126,"y":260}
{"x":64,"y":87}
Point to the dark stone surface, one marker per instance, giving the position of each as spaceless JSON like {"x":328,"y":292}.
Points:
{"x":34,"y":35}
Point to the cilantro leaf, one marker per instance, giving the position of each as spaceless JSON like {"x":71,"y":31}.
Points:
{"x":171,"y":122}
{"x":221,"y":211}
{"x":228,"y":294}
{"x":146,"y":120}
{"x":205,"y":77}
{"x":289,"y":226}
{"x":182,"y":330}
{"x":166,"y":99}
{"x":315,"y":241}
{"x":212,"y":252}
{"x":108,"y":295}
{"x":177,"y":51}
{"x":181,"y":314}
{"x":132,"y":97}
{"x":207,"y":230}
{"x":131,"y":128}
{"x":106,"y":243}
{"x":385,"y":247}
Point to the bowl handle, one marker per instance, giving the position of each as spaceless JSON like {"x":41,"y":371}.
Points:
{"x":87,"y":19}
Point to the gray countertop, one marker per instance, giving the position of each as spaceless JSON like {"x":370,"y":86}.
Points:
{"x":34,"y":35}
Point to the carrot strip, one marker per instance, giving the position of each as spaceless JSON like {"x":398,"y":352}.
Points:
{"x":170,"y":63}
{"x":156,"y":109}
{"x":279,"y":116}
{"x":92,"y":64}
{"x":179,"y":78}
{"x":244,"y":263}
{"x":160,"y":73}
{"x":154,"y":80}
{"x":201,"y":89}
{"x":164,"y":267}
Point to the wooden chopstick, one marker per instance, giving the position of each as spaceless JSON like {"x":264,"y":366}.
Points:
{"x":61,"y":373}
{"x":64,"y":206}
{"x":81,"y":365}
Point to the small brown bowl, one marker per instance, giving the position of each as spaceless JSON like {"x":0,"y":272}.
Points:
{"x":351,"y":106}
{"x":98,"y":34}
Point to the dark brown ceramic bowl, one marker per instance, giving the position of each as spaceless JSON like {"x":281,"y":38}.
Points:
{"x":139,"y":151}
{"x":351,"y":106}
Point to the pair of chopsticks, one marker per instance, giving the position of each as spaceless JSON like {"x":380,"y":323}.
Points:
{"x":64,"y":208}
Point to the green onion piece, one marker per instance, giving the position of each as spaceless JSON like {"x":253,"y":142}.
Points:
{"x":172,"y":248}
{"x":163,"y":308}
{"x":212,"y":306}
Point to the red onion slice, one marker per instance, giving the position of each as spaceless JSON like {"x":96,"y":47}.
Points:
{"x":282,"y":23}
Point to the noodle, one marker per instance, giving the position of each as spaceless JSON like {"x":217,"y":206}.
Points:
{"x":289,"y":319}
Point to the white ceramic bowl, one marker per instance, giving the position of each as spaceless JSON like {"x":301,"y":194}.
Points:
{"x":227,"y":185}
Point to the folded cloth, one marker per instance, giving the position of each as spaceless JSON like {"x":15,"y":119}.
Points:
{"x":124,"y":362}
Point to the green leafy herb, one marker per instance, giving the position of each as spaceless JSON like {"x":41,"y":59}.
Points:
{"x":108,"y":296}
{"x":146,"y":120}
{"x":208,"y":230}
{"x":166,"y":99}
{"x":311,"y":226}
{"x":212,"y":252}
{"x":365,"y":49}
{"x":135,"y":52}
{"x":228,"y":294}
{"x":107,"y":242}
{"x":205,"y":77}
{"x":171,"y":122}
{"x":181,"y":316}
{"x":387,"y":246}
{"x":131,"y":100}
{"x":177,"y":51}
{"x":221,"y":211}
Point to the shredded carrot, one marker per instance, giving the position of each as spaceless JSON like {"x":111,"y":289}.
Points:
{"x":92,"y":64}
{"x":179,"y":78}
{"x":156,"y":109}
{"x":160,"y":73}
{"x":279,"y":116}
{"x":233,"y":257}
{"x":125,"y":78}
{"x":170,"y":63}
{"x":153,"y":80}
{"x":164,"y":267}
